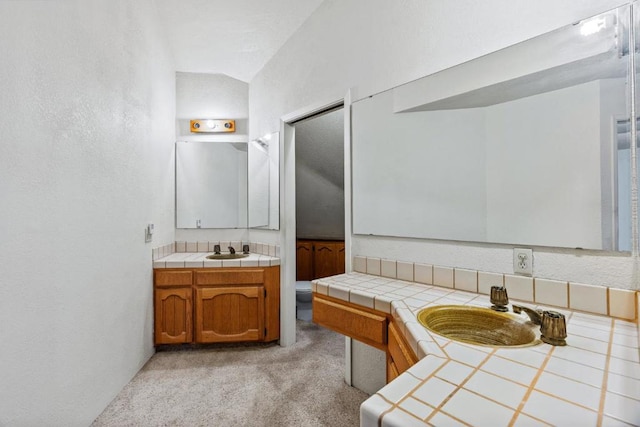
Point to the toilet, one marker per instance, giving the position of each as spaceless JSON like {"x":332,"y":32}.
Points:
{"x":303,"y":300}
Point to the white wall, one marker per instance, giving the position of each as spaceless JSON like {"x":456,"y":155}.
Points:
{"x":373,"y":46}
{"x":218,"y":96}
{"x":86,"y":161}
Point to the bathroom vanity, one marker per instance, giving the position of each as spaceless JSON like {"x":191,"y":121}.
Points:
{"x":222,"y":301}
{"x":433,"y":380}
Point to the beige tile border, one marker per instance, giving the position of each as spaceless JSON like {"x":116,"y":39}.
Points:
{"x":207,"y":246}
{"x":602,"y":300}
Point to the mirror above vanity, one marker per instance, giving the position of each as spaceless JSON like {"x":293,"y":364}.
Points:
{"x":228,"y":184}
{"x":528,"y":145}
{"x":211,"y":184}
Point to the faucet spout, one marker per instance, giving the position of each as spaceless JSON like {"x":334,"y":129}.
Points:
{"x":232,"y":250}
{"x":534,"y":315}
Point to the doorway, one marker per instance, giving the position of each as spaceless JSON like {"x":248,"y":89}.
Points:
{"x":288,"y":210}
{"x":320,"y":202}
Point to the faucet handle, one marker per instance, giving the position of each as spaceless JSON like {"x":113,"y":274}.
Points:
{"x":216,"y":249}
{"x":553,"y":328}
{"x":245,"y":249}
{"x":499,"y":298}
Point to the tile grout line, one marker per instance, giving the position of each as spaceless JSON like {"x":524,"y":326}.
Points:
{"x":605,"y":377}
{"x":459,"y":386}
{"x":423,"y":382}
{"x":532,"y":385}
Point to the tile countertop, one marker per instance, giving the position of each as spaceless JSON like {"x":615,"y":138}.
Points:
{"x":593,"y":381}
{"x":199,"y":260}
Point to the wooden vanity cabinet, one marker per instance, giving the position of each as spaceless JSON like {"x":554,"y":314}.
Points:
{"x":217,"y":305}
{"x":366,"y":325}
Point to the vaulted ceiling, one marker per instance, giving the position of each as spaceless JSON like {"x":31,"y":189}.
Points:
{"x":232,"y":37}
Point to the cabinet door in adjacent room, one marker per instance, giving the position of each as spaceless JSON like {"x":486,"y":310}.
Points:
{"x":304,"y":260}
{"x":326,"y":259}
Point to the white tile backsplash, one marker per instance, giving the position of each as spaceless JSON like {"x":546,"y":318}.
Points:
{"x":622,"y":303}
{"x":519,"y":287}
{"x":487,"y":280}
{"x":424,"y":273}
{"x":558,"y":294}
{"x":443,"y":276}
{"x":373,"y":266}
{"x":466,"y":280}
{"x":551,"y":292}
{"x":404,"y":271}
{"x":588,"y":298}
{"x":388,"y":268}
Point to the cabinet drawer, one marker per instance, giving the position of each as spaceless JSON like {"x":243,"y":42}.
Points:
{"x":399,"y":350}
{"x":230,"y":277}
{"x":173,"y":278}
{"x":370,"y":328}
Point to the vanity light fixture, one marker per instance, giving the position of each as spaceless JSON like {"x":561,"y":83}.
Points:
{"x":212,"y":125}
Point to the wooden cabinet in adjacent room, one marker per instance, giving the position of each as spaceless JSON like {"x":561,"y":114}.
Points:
{"x":304,"y":260}
{"x":213,"y":305}
{"x":319,"y":258}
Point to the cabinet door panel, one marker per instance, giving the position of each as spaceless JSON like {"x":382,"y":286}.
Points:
{"x":225,"y":314}
{"x":173,"y":316}
{"x":399,"y":350}
{"x":340,"y":262}
{"x":304,"y":261}
{"x":325,"y":260}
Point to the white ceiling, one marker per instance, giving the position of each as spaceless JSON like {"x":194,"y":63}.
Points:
{"x":233,"y":37}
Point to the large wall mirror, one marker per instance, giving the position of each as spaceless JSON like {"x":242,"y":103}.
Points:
{"x":528,"y":145}
{"x":264,"y":182}
{"x":211,"y":184}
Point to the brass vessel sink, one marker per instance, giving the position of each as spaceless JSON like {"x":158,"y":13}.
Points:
{"x":227,"y":256}
{"x":477,"y":325}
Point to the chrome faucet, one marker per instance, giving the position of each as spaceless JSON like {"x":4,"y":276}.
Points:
{"x":216,"y":249}
{"x":232,"y":250}
{"x":534,"y":315}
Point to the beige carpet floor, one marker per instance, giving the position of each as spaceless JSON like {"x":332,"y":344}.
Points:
{"x":264,"y":385}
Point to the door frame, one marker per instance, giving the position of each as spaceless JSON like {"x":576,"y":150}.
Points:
{"x":288,"y":212}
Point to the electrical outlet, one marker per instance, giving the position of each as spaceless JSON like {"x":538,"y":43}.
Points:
{"x":523,"y":261}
